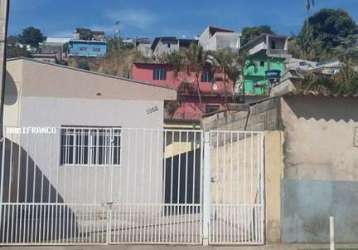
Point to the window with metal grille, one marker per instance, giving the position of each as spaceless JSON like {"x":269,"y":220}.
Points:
{"x":90,"y":146}
{"x":159,"y":74}
{"x":206,"y":76}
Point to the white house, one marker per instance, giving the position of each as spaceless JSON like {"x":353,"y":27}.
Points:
{"x":81,"y":129}
{"x":214,"y":38}
{"x":271,"y":45}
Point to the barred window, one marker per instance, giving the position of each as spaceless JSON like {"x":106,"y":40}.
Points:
{"x":206,"y":76}
{"x":159,"y":74}
{"x":90,"y":146}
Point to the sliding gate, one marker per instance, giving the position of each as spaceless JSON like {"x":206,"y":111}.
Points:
{"x":113,"y":185}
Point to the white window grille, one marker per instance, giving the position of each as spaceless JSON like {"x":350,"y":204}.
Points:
{"x":90,"y":146}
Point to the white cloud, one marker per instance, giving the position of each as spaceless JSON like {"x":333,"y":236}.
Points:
{"x":62,"y":33}
{"x":141,"y":19}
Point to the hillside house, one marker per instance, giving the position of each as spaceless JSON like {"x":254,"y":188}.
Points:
{"x":169,"y":44}
{"x":91,"y":118}
{"x":214,"y":38}
{"x":213,"y":92}
{"x":265,"y":63}
{"x":144,"y":46}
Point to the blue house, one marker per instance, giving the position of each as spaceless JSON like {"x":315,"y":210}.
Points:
{"x":87,"y":48}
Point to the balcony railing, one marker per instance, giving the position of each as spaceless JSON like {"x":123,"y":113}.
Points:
{"x":277,"y":52}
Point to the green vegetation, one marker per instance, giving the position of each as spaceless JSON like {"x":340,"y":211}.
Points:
{"x":343,"y":83}
{"x":195,"y":60}
{"x":12,"y":52}
{"x":327,"y":34}
{"x":118,"y":60}
{"x":31,"y":36}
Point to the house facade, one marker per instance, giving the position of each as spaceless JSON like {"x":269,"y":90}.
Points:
{"x":214,"y":93}
{"x":214,"y":38}
{"x":167,"y":45}
{"x":81,"y":106}
{"x":265,"y":64}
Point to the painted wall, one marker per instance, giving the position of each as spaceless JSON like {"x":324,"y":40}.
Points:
{"x":254,"y":73}
{"x":321,"y":168}
{"x":87,"y":48}
{"x":188,"y":109}
{"x":56,"y":112}
{"x":144,"y":72}
{"x":274,"y":166}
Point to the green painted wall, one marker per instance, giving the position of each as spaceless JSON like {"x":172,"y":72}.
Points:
{"x":254,"y":73}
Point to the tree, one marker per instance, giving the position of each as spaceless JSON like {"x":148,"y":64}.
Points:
{"x":345,"y":82}
{"x":15,"y":51}
{"x":31,"y":36}
{"x":249,"y":33}
{"x":195,"y":58}
{"x":325,"y":30}
{"x":190,"y":60}
{"x":176,"y":60}
{"x":83,"y":64}
{"x":229,"y":63}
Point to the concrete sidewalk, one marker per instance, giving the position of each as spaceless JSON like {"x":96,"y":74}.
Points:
{"x":188,"y":247}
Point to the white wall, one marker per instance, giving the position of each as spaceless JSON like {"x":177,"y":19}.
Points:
{"x":220,"y":40}
{"x":141,"y":154}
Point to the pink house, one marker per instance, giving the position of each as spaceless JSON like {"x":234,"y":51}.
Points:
{"x":190,"y":106}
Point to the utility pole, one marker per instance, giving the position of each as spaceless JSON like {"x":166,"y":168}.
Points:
{"x":4,"y":18}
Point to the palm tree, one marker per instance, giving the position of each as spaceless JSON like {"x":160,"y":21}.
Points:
{"x":175,"y":59}
{"x":195,"y":60}
{"x":191,"y":60}
{"x":230,"y":64}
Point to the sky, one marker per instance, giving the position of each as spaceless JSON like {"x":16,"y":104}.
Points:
{"x":150,"y":18}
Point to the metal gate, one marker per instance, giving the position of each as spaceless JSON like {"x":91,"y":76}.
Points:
{"x":237,"y":187}
{"x":113,"y":185}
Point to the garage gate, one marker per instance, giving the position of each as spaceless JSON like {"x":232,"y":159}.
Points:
{"x":113,"y":185}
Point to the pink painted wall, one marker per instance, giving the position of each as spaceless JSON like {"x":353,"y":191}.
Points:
{"x":191,"y":109}
{"x":144,"y":72}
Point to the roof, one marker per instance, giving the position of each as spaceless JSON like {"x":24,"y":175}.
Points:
{"x":67,"y":78}
{"x":163,"y":38}
{"x":213,"y":30}
{"x":186,"y":42}
{"x":293,"y":87}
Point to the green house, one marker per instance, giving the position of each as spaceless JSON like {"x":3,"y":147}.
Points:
{"x":265,"y":63}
